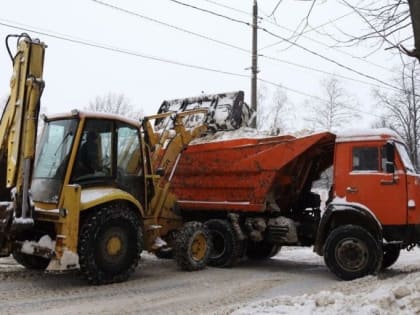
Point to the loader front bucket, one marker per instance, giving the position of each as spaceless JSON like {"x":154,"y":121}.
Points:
{"x":226,"y":111}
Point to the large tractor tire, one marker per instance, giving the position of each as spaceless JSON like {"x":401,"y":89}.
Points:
{"x":192,"y":246}
{"x":391,"y":254}
{"x":351,"y":252}
{"x":227,"y":249}
{"x":30,"y":261}
{"x":110,"y":244}
{"x":262,"y":250}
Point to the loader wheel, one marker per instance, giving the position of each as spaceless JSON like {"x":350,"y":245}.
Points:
{"x":391,"y":254}
{"x":192,"y":246}
{"x":262,"y":250}
{"x":110,"y":244}
{"x":351,"y":252}
{"x":227,"y":249}
{"x":30,"y":261}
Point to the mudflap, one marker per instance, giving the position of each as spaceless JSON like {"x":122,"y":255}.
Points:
{"x":226,"y":111}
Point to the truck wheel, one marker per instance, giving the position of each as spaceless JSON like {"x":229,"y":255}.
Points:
{"x":351,"y":252}
{"x":192,"y":246}
{"x":227,"y":249}
{"x":110,"y":244}
{"x":30,"y":261}
{"x":262,"y":250}
{"x":391,"y":254}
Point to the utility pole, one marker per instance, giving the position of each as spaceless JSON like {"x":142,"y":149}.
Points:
{"x":254,"y":67}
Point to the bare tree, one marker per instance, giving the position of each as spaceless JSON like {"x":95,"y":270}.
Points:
{"x":335,"y":108}
{"x":261,"y":100}
{"x":114,"y":104}
{"x":274,"y":113}
{"x":403,"y":107}
{"x":390,"y":24}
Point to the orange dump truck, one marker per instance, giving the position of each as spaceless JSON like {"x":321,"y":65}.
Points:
{"x":254,"y":194}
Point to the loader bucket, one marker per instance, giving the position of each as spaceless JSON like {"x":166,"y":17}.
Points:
{"x":226,"y":111}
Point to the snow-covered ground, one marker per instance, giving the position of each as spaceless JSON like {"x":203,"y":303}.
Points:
{"x":295,"y":281}
{"x":394,"y":291}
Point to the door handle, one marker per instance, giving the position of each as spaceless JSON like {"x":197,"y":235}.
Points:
{"x":352,"y":189}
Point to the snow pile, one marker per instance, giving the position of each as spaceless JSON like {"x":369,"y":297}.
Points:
{"x":68,"y":261}
{"x":243,"y":132}
{"x":28,"y":247}
{"x":369,"y":295}
{"x":225,"y":111}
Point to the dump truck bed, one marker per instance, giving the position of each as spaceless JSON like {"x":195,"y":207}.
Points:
{"x":250,"y":174}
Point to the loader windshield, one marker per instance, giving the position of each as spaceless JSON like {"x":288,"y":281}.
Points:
{"x":52,"y":158}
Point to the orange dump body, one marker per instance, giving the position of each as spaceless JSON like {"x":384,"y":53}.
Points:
{"x":250,"y":174}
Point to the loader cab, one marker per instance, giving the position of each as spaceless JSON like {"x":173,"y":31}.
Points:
{"x":373,"y":171}
{"x":90,"y":150}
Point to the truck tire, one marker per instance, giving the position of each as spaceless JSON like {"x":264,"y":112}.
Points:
{"x":30,"y":261}
{"x":391,"y":254}
{"x":192,"y":246}
{"x":262,"y":250}
{"x":226,"y":249}
{"x":351,"y":252}
{"x":110,"y":244}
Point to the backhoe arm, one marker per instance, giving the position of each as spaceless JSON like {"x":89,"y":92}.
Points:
{"x":18,"y":131}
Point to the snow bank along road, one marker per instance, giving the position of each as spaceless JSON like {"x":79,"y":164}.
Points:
{"x":294,"y":282}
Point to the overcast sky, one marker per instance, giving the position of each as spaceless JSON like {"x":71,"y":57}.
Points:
{"x":75,"y":74}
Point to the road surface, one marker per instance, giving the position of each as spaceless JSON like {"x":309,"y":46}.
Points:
{"x":159,"y":287}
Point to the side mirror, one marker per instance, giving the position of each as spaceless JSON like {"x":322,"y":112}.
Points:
{"x":389,"y":152}
{"x":389,"y":167}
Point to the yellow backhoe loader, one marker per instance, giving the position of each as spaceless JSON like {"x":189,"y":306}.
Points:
{"x":97,"y":192}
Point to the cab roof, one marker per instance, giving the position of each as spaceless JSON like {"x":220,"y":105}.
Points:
{"x":94,"y":115}
{"x":368,"y":135}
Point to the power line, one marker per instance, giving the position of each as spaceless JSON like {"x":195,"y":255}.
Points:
{"x":123,"y":51}
{"x":292,"y":43}
{"x":306,"y":37}
{"x":230,"y":8}
{"x":310,"y":30}
{"x":210,"y":12}
{"x":315,"y":97}
{"x":329,"y":59}
{"x":225,"y":43}
{"x":320,"y":42}
{"x":92,"y":44}
{"x":320,"y":71}
{"x":168,"y":25}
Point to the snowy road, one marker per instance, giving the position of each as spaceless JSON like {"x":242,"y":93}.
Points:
{"x":159,"y":287}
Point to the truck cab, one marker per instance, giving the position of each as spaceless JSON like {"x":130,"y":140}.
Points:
{"x":373,"y":209}
{"x":374,"y":170}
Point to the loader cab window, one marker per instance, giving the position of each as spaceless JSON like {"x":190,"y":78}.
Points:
{"x":130,"y":175}
{"x":365,"y":159}
{"x":94,"y":155}
{"x":52,"y":158}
